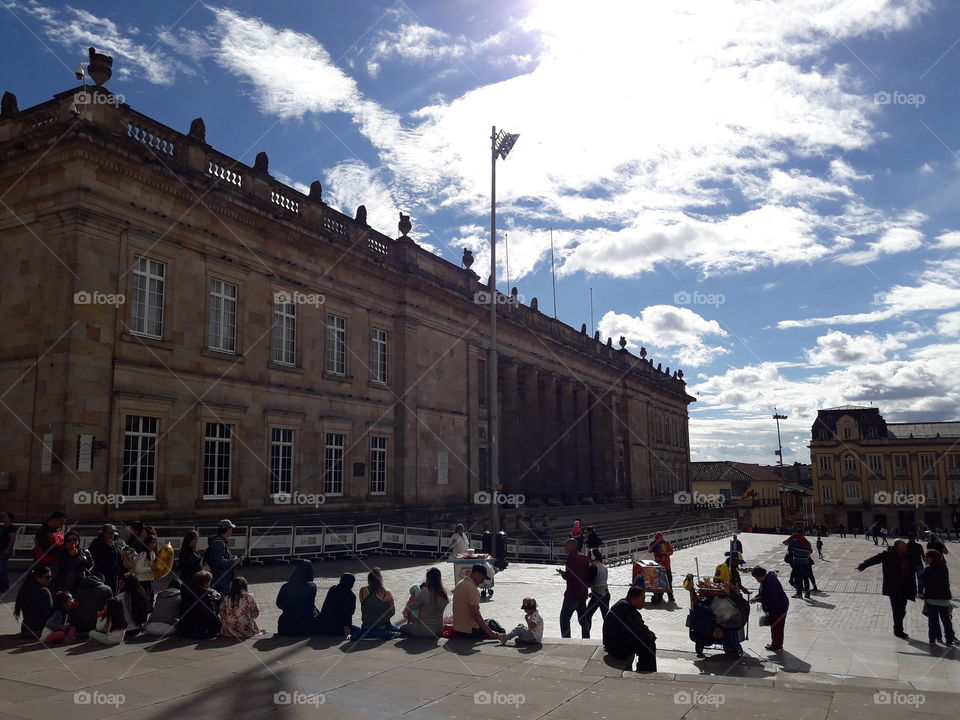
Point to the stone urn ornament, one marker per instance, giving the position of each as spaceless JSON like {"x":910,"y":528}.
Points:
{"x":100,"y":66}
{"x":404,"y":225}
{"x":467,"y":258}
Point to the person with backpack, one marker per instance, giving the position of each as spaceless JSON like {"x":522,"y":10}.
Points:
{"x":800,"y":551}
{"x":222,"y":563}
{"x":48,"y":542}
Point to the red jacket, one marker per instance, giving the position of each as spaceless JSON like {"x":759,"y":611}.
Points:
{"x":577,"y":575}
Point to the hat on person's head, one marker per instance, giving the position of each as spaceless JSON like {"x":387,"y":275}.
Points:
{"x":480,"y":568}
{"x":659,"y":536}
{"x":109,"y":528}
{"x":225,"y":525}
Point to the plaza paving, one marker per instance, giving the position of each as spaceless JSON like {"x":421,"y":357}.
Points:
{"x":841,"y":660}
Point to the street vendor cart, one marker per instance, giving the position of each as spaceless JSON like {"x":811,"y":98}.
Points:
{"x":718,"y":616}
{"x":462,"y":564}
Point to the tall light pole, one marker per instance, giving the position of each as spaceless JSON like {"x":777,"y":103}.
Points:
{"x":500,"y":146}
{"x":778,"y":417}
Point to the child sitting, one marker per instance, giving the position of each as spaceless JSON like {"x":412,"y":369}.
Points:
{"x":239,"y":612}
{"x":532,"y":632}
{"x":58,"y":628}
{"x":410,"y":614}
{"x":111,"y":625}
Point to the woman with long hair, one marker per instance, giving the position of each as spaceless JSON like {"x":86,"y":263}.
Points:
{"x":191,"y":559}
{"x":239,"y":612}
{"x":427,"y":608}
{"x":376,"y":610}
{"x":34,"y":601}
{"x":936,"y":599}
{"x":111,"y":625}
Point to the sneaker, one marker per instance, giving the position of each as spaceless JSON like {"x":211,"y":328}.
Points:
{"x":771,"y":648}
{"x":932,"y":641}
{"x":901,"y":634}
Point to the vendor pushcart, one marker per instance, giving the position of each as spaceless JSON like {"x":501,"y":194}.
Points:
{"x":463,"y":563}
{"x":718,"y":616}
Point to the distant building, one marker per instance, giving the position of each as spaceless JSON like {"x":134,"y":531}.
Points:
{"x":751,"y":492}
{"x":187,"y":337}
{"x":798,"y":473}
{"x":867,"y":470}
{"x":796,"y":502}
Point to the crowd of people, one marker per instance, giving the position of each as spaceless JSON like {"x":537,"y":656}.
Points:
{"x":106,"y":593}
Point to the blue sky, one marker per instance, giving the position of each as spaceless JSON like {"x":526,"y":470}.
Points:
{"x":760,"y":193}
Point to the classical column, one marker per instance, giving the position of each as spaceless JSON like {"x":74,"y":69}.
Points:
{"x":529,"y":433}
{"x":582,"y":439}
{"x":549,"y":447}
{"x":510,"y":426}
{"x":601,"y":434}
{"x":567,"y":447}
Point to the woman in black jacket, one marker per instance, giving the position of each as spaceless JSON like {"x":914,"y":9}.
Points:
{"x":199,"y":608}
{"x":34,"y":601}
{"x":297,"y":599}
{"x":73,"y":564}
{"x":191,"y":559}
{"x":936,"y":599}
{"x":899,"y":581}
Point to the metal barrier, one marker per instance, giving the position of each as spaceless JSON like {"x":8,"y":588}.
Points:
{"x":367,"y":539}
{"x":392,"y":539}
{"x":338,"y":539}
{"x":308,"y":541}
{"x":269,"y":542}
{"x":422,"y":541}
{"x":238,"y":540}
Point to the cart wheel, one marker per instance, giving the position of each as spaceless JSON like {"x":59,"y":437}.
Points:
{"x":491,"y":593}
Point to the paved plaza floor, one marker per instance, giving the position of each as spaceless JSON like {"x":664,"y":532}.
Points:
{"x":841,"y":660}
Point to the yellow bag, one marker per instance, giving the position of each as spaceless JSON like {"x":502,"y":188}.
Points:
{"x":164,"y":562}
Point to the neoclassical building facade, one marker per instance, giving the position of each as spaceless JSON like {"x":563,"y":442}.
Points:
{"x":185,"y":336}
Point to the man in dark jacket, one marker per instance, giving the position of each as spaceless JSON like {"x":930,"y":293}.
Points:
{"x":915,"y":553}
{"x":218,"y":556}
{"x":577,"y":575}
{"x":626,"y":636}
{"x":899,"y":581}
{"x":92,"y":594}
{"x":107,"y":559}
{"x":775,"y":604}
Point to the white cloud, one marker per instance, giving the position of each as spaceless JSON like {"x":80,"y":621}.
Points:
{"x":893,"y":241}
{"x":950,"y":239}
{"x":679,"y":331}
{"x":839,"y":348}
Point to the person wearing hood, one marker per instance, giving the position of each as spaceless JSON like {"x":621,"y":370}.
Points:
{"x":297,"y":601}
{"x":222,"y":563}
{"x":107,"y":557}
{"x":73,"y":564}
{"x":799,"y":551}
{"x":166,"y":611}
{"x":92,"y":594}
{"x":899,"y":581}
{"x":339,"y":606}
{"x":199,"y":608}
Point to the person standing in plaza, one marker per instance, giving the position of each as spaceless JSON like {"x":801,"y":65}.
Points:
{"x":800,"y":552}
{"x":576,"y":532}
{"x":936,"y":600}
{"x":883,"y":535}
{"x":599,"y":592}
{"x":841,"y":530}
{"x":459,"y":544}
{"x":593,"y":540}
{"x":820,"y":547}
{"x":775,"y":604}
{"x":626,"y":636}
{"x":935,"y":543}
{"x":8,"y":536}
{"x":661,"y":551}
{"x":899,"y":581}
{"x":107,"y":559}
{"x":915,"y":553}
{"x":577,"y":575}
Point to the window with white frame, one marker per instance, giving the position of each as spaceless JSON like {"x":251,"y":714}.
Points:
{"x":953,"y":464}
{"x":851,"y":491}
{"x":825,"y":464}
{"x":333,"y":463}
{"x":930,"y":492}
{"x":146,"y":310}
{"x":826,"y":492}
{"x":849,"y":465}
{"x":336,"y":345}
{"x":903,"y":489}
{"x":281,"y":461}
{"x":926,"y":463}
{"x":900,"y":465}
{"x":284,"y":332}
{"x":139,"y":457}
{"x":222,"y":325}
{"x":378,"y":356}
{"x":216,"y":460}
{"x":875,"y":463}
{"x":378,"y":465}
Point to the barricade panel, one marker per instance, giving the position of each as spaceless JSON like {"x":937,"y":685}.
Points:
{"x":270,"y":542}
{"x":308,"y":540}
{"x":423,"y":541}
{"x":338,"y":539}
{"x":392,"y":537}
{"x":367,"y":538}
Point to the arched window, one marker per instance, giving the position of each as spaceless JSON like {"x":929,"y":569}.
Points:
{"x":849,"y":465}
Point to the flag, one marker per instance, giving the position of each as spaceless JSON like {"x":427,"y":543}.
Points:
{"x":748,"y":494}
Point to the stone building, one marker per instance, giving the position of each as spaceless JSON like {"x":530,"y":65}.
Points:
{"x":866,"y":470}
{"x":745,"y":491}
{"x":187,"y":337}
